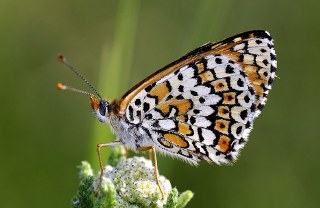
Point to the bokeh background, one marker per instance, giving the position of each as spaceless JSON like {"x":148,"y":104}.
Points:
{"x":46,"y":133}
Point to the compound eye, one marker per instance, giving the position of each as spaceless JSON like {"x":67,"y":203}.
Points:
{"x":102,"y":109}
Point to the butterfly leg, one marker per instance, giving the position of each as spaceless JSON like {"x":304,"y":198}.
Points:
{"x":111,"y":144}
{"x":156,"y":171}
{"x":149,"y":154}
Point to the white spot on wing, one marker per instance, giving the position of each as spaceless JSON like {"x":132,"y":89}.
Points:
{"x":236,"y":80}
{"x":167,"y":124}
{"x":234,"y":128}
{"x":211,"y":63}
{"x":236,"y":112}
{"x":201,"y":122}
{"x":208,"y":100}
{"x":244,"y":96}
{"x":208,"y":137}
{"x":239,"y":47}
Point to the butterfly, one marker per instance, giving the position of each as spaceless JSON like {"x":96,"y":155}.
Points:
{"x":200,"y":107}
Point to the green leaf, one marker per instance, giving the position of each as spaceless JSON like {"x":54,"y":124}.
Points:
{"x":85,"y":195}
{"x":184,"y":198}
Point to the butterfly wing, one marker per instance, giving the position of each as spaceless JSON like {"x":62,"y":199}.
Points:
{"x":202,"y":106}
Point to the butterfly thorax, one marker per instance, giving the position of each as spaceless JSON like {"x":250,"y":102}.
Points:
{"x":132,"y":136}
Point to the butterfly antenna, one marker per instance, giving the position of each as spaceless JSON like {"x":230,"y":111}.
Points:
{"x":63,"y":60}
{"x":61,"y":86}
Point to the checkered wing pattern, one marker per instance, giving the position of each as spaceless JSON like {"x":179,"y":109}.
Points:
{"x":202,"y":106}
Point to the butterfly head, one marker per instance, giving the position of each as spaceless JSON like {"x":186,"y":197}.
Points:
{"x":100,"y":108}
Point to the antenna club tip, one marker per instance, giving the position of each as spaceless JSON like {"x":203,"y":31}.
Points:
{"x":60,"y":58}
{"x":61,"y":86}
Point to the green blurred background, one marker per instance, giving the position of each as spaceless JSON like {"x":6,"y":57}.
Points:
{"x":46,"y":133}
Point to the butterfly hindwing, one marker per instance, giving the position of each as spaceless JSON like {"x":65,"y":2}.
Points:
{"x":203,"y":105}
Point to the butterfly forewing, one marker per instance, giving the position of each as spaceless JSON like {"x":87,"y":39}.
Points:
{"x":202,"y":106}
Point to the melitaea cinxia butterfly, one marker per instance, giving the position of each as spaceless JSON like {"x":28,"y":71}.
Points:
{"x":200,"y":107}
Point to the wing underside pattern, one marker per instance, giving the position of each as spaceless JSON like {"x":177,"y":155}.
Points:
{"x":203,"y":109}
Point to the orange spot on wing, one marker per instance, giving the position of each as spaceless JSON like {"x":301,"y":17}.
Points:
{"x":222,"y":126}
{"x":183,"y":106}
{"x":200,"y":67}
{"x":224,"y":112}
{"x":220,"y":85}
{"x":165,"y":143}
{"x":184,"y":128}
{"x":224,"y":144}
{"x":206,"y":76}
{"x":160,"y":91}
{"x":176,"y":139}
{"x":229,"y":98}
